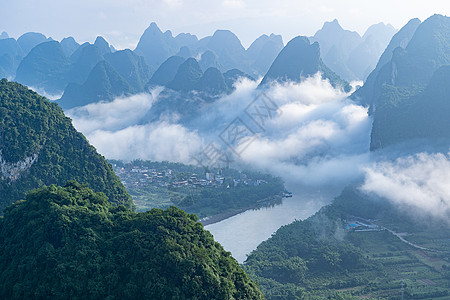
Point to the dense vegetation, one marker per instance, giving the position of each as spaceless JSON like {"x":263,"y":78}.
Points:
{"x":320,"y":257}
{"x":200,"y":200}
{"x":408,"y":91}
{"x":33,"y":127}
{"x":405,"y":113}
{"x":370,"y":90}
{"x":210,"y":201}
{"x":70,"y":243}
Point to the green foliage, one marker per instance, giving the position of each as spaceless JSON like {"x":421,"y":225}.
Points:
{"x":200,"y":200}
{"x":319,"y":259}
{"x":210,"y":201}
{"x":335,"y":80}
{"x":70,"y":242}
{"x":31,"y":125}
{"x":412,"y":113}
{"x":408,"y":91}
{"x":303,"y":250}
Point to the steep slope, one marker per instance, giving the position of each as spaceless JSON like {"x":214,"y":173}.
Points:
{"x":382,"y":32}
{"x":332,"y":34}
{"x":363,"y":59}
{"x":39,"y":146}
{"x":102,"y":45}
{"x":347,"y":53}
{"x":228,"y":48}
{"x":338,"y":61}
{"x":366,"y":94}
{"x":402,"y":115}
{"x":10,"y":55}
{"x":209,"y":60}
{"x":427,"y":50}
{"x":233,"y":75}
{"x":263,"y":51}
{"x":103,"y":84}
{"x":29,"y":40}
{"x":184,"y":52}
{"x":212,"y":82}
{"x":83,"y":61}
{"x":399,"y":84}
{"x":46,"y":66}
{"x":131,"y":67}
{"x":167,"y":71}
{"x":299,"y":59}
{"x":187,"y":76}
{"x":69,"y":243}
{"x":156,"y":46}
{"x":69,"y":45}
{"x":336,"y":45}
{"x":185,"y":39}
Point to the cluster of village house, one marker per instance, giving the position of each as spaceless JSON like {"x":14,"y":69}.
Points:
{"x":140,"y":176}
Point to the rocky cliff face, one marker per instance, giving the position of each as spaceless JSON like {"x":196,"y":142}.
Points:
{"x":11,"y":172}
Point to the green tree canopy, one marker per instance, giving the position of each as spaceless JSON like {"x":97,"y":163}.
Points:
{"x":71,"y":243}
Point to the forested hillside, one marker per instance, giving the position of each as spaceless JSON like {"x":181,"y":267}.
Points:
{"x":70,"y":243}
{"x":39,"y":146}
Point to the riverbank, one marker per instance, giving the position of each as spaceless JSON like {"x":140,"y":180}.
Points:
{"x":242,"y":233}
{"x":276,"y":200}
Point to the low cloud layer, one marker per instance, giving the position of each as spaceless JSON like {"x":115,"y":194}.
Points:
{"x":42,"y":92}
{"x":318,"y":137}
{"x":156,"y":141}
{"x":112,"y":116}
{"x":419,"y":182}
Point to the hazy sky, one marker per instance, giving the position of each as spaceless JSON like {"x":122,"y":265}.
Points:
{"x":122,"y":22}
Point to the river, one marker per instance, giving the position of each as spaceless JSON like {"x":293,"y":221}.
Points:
{"x":242,"y":233}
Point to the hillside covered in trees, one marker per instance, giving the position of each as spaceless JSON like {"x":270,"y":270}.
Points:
{"x":39,"y":146}
{"x":355,"y":247}
{"x":71,"y":243}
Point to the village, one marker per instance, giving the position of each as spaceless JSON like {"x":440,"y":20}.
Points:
{"x":140,"y":176}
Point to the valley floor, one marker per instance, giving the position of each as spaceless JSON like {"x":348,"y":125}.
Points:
{"x":341,"y":254}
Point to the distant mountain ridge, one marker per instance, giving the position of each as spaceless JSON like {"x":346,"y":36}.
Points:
{"x":104,"y":83}
{"x":157,"y":46}
{"x":298,"y":60}
{"x":348,"y":54}
{"x":65,"y":68}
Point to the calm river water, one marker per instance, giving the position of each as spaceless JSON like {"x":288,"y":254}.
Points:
{"x":241,"y":234}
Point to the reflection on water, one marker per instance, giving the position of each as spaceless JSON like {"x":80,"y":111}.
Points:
{"x":241,"y":234}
